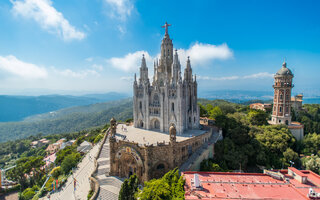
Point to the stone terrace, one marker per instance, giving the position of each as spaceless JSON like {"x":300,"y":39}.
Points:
{"x":148,"y":137}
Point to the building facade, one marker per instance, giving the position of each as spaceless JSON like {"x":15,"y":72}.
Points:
{"x":169,"y":99}
{"x":281,"y":112}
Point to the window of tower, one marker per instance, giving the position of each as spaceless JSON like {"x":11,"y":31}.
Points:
{"x":287,"y":109}
{"x":194,"y":119}
{"x":281,"y":96}
{"x":140,"y":105}
{"x":156,"y":101}
{"x":189,"y":119}
{"x":172,"y":107}
{"x":280,"y":109}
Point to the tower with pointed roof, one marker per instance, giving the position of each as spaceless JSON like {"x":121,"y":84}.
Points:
{"x":170,"y":99}
{"x":281,"y":112}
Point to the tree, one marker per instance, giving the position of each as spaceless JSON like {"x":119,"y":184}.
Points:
{"x":313,"y":163}
{"x":215,"y":112}
{"x":128,"y":188}
{"x":290,"y":155}
{"x":69,"y":162}
{"x":257,"y":117}
{"x":124,"y":191}
{"x":209,"y":166}
{"x":311,"y":144}
{"x":170,"y":186}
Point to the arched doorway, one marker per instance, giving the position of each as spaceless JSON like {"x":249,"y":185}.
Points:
{"x":140,"y":124}
{"x":155,"y":124}
{"x":128,"y":161}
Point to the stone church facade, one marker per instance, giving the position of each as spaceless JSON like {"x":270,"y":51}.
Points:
{"x":169,"y":99}
{"x":166,"y":113}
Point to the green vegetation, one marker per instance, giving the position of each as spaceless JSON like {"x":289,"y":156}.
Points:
{"x":309,"y":117}
{"x":67,"y":120}
{"x":249,"y":142}
{"x":170,"y":186}
{"x":128,"y":188}
{"x":90,"y":194}
{"x":29,"y":161}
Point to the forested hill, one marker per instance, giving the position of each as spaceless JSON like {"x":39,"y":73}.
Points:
{"x":16,"y":108}
{"x":67,"y":120}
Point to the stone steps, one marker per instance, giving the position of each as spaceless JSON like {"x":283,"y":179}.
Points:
{"x":109,"y":185}
{"x":106,"y":195}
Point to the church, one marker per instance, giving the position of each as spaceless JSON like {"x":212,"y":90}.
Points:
{"x":165,"y":132}
{"x":169,"y":99}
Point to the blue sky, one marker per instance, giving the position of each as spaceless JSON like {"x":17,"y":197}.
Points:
{"x":95,"y":46}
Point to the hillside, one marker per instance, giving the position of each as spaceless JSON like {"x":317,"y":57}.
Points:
{"x":67,"y":120}
{"x":16,"y":108}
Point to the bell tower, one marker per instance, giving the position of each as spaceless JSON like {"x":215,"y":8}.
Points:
{"x":281,"y":112}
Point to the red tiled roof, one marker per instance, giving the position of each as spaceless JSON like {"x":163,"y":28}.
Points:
{"x":226,"y":185}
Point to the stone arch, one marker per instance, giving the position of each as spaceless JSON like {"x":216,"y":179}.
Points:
{"x":155,"y":124}
{"x":159,"y":169}
{"x":128,"y":162}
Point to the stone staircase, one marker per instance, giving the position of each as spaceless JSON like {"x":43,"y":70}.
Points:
{"x":109,"y":185}
{"x":216,"y":135}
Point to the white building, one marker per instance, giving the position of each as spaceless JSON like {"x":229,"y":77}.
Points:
{"x":169,"y":99}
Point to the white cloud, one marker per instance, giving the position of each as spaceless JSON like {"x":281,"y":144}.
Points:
{"x":120,"y":9}
{"x":130,"y":62}
{"x":218,"y":78}
{"x":76,"y":74}
{"x":47,"y":16}
{"x":200,"y":54}
{"x":16,"y":67}
{"x":260,"y":75}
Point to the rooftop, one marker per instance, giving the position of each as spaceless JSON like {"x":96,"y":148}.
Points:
{"x":148,"y":137}
{"x":227,"y":185}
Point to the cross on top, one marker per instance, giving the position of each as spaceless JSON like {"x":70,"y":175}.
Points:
{"x":166,"y":25}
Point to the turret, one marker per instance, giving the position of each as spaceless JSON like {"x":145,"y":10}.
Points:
{"x":176,"y":67}
{"x":143,"y":71}
{"x":188,"y":71}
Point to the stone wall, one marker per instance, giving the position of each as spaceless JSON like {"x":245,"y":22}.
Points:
{"x":151,"y":161}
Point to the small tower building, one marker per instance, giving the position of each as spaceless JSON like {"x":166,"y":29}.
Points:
{"x":281,"y":112}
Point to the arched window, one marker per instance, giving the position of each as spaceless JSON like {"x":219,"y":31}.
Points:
{"x":281,"y":96}
{"x":280,"y":109}
{"x":156,"y":101}
{"x":172,"y":107}
{"x":140,"y":105}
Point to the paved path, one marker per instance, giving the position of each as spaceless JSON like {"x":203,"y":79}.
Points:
{"x":109,"y":185}
{"x":82,"y":174}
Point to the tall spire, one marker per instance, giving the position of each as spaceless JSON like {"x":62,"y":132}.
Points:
{"x":143,"y":62}
{"x":143,"y":70}
{"x":166,"y":57}
{"x":188,"y":71}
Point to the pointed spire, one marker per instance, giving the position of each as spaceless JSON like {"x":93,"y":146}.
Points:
{"x":143,"y":62}
{"x":188,"y":63}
